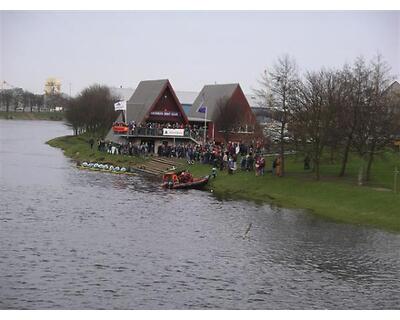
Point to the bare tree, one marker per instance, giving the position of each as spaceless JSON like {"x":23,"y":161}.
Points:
{"x":278,"y":91}
{"x":18,"y":96}
{"x":92,"y":110}
{"x":38,"y":101}
{"x":56,"y":100}
{"x":228,"y":117}
{"x":28,"y":100}
{"x":314,"y":114}
{"x":353,"y":109}
{"x":7,"y":97}
{"x":380,"y":117}
{"x":348,"y":110}
{"x":74,"y":116}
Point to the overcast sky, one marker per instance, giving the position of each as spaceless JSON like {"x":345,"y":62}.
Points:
{"x":189,"y":48}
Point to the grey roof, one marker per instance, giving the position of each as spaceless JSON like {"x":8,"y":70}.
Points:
{"x":254,"y":101}
{"x":394,"y":87}
{"x":187,"y":97}
{"x":211,"y":94}
{"x":143,"y":98}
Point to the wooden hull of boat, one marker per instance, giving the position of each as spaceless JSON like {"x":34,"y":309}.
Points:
{"x":197,"y":184}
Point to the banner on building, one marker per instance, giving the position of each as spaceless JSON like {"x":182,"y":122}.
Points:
{"x":120,"y":105}
{"x":164,"y":113}
{"x":174,"y":132}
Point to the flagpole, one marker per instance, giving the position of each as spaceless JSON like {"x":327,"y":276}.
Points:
{"x":124,"y":111}
{"x":205,"y":126}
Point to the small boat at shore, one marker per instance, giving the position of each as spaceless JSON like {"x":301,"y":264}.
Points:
{"x":183,"y":180}
{"x":120,"y":128}
{"x":104,"y":168}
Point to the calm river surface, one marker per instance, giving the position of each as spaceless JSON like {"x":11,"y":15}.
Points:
{"x":73,"y":239}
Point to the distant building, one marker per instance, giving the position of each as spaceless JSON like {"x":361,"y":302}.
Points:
{"x":394,"y":91}
{"x":187,"y":98}
{"x":52,"y":86}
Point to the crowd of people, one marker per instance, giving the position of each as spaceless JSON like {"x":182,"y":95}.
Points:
{"x":230,"y":156}
{"x":156,"y":128}
{"x":126,"y":149}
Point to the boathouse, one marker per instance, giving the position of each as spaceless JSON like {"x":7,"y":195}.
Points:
{"x":226,"y":112}
{"x":155,"y":117}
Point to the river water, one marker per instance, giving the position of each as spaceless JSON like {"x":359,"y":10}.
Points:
{"x":73,"y":239}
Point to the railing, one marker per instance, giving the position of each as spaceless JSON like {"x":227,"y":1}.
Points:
{"x":237,"y":131}
{"x":159,"y":132}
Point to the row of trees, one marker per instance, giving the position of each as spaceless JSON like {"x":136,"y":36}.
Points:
{"x":351,"y":109}
{"x":18,"y":99}
{"x":13,"y":99}
{"x":92,"y":110}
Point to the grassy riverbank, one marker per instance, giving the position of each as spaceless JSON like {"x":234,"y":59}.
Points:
{"x":78,"y":148}
{"x":337,"y":199}
{"x":12,"y":115}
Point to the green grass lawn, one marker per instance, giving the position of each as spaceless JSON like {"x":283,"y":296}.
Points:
{"x":338,"y":199}
{"x":78,"y":148}
{"x":55,"y":116}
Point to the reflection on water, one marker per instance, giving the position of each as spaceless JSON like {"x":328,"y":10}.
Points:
{"x":73,"y":239}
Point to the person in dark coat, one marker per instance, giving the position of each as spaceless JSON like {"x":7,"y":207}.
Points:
{"x":307,"y":163}
{"x":274,"y":163}
{"x":91,"y":142}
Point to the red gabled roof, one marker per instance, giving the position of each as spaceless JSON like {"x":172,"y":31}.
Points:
{"x":161,"y":93}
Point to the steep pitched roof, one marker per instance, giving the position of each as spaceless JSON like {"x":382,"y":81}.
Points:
{"x":187,"y":97}
{"x":394,"y":87}
{"x":210,"y":94}
{"x":146,"y":95}
{"x":143,"y":98}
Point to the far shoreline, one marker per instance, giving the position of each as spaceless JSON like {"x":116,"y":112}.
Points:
{"x":27,"y":115}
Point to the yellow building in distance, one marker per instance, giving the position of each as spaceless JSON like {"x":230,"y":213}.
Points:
{"x":52,"y":86}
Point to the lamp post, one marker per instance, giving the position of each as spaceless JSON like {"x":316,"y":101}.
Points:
{"x":205,"y":119}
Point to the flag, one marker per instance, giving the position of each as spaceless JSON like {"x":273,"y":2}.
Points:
{"x":202,"y":108}
{"x":120,"y":105}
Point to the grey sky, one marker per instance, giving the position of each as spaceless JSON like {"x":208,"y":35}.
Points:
{"x":189,"y":48}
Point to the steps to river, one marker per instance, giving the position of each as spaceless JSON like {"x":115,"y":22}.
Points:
{"x":158,"y":166}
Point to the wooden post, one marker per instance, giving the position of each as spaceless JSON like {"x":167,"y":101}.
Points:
{"x":361,"y":174}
